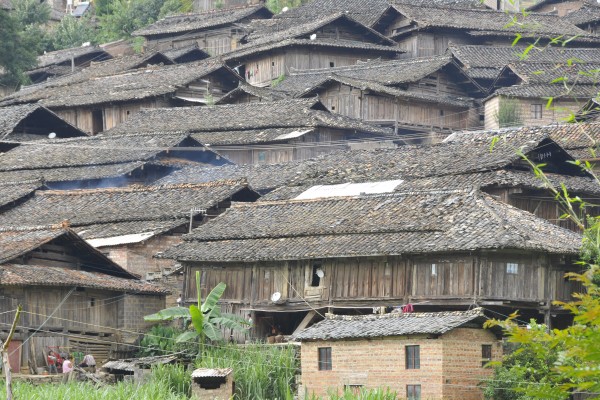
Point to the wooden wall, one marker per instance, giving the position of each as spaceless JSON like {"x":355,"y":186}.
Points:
{"x":369,"y":281}
{"x":262,"y":69}
{"x":381,"y":109}
{"x":427,"y":44}
{"x":295,"y":149}
{"x":104,"y":116}
{"x":206,"y":5}
{"x":215,"y":41}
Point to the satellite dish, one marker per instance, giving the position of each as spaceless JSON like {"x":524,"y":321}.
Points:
{"x":320,"y":273}
{"x":313,"y":36}
{"x":51,"y":135}
{"x":275,"y":297}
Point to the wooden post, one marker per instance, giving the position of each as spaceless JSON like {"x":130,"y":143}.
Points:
{"x":5,"y":359}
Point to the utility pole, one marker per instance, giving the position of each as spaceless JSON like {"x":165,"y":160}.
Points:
{"x":5,"y":359}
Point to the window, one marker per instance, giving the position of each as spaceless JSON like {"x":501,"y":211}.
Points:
{"x":413,"y":357}
{"x":261,"y":156}
{"x":433,"y":269}
{"x":325,"y":359}
{"x":486,"y":354}
{"x":413,"y":392}
{"x":331,"y":64}
{"x":512,"y":268}
{"x":317,"y":273}
{"x":536,"y":111}
{"x":441,"y":113}
{"x":92,"y":302}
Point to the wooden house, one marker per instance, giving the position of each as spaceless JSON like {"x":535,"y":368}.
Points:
{"x":484,"y":64}
{"x":587,"y":17}
{"x":462,"y":161}
{"x":99,"y":103}
{"x":417,"y":355}
{"x":62,"y":62}
{"x":246,"y":93}
{"x":275,"y":46}
{"x":32,"y":122}
{"x":417,"y":95}
{"x":74,"y":298}
{"x":436,"y":249}
{"x":557,"y":7}
{"x":262,"y":132}
{"x":423,"y":30}
{"x":130,"y":225}
{"x":207,"y":5}
{"x":216,"y":31}
{"x":522,"y":91}
{"x":100,"y":161}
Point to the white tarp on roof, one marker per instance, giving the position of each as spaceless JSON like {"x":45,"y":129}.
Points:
{"x":293,"y":134}
{"x":118,"y":240}
{"x":349,"y":189}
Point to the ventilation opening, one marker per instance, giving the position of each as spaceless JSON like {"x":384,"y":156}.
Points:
{"x":97,"y":121}
{"x":211,"y":383}
{"x":331,"y":64}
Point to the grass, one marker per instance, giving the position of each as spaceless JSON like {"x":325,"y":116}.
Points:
{"x":260,"y":371}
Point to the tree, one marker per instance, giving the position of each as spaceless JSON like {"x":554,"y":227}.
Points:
{"x":16,"y":53}
{"x":72,"y":32}
{"x":31,"y":12}
{"x":206,"y":318}
{"x":277,"y":5}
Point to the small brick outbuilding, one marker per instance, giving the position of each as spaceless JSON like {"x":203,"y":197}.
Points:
{"x":212,"y":384}
{"x":418,"y":355}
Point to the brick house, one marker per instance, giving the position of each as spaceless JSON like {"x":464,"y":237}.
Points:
{"x":417,"y":355}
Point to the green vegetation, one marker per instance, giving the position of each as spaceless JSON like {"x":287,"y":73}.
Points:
{"x":16,"y":51}
{"x":260,"y":371}
{"x":73,"y":32}
{"x":161,"y":340}
{"x":509,"y":113}
{"x":206,"y":318}
{"x":277,"y":5}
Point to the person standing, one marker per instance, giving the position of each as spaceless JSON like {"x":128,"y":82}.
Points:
{"x":52,"y":360}
{"x":67,"y":369}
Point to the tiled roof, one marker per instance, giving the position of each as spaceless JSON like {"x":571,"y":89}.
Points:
{"x":184,"y":53}
{"x":587,"y":14}
{"x":13,"y":191}
{"x":489,"y":22}
{"x":364,"y":11}
{"x":261,"y":177}
{"x":13,"y":117}
{"x":544,"y":91}
{"x":402,"y":223}
{"x":388,"y":73}
{"x":65,"y":55}
{"x":139,"y":208}
{"x":88,"y":151}
{"x":339,"y":327}
{"x":479,"y":180}
{"x":390,"y":91}
{"x":568,"y":136}
{"x":499,"y":56}
{"x":250,"y":49}
{"x":127,"y":86}
{"x":575,"y":72}
{"x":201,"y":21}
{"x":18,"y":241}
{"x":264,"y":94}
{"x":268,"y":31}
{"x":229,"y":123}
{"x":37,"y":275}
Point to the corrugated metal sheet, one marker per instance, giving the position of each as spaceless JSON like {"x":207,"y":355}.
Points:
{"x":349,"y":189}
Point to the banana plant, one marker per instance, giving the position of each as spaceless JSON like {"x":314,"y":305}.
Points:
{"x":206,"y":318}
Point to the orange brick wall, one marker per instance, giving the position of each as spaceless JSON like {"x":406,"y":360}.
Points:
{"x":447,"y":364}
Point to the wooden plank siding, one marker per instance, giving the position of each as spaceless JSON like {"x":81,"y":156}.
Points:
{"x":262,"y":69}
{"x":378,"y":108}
{"x":371,"y":281}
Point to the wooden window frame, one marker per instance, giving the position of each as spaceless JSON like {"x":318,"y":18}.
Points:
{"x":512,"y":268}
{"x":486,"y":354}
{"x":324,"y":359}
{"x":413,"y":392}
{"x":536,"y":111}
{"x":412,"y":356}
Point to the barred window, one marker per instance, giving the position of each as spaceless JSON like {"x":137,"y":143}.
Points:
{"x":325,"y":359}
{"x":536,"y":111}
{"x":413,"y":392}
{"x":413,"y":357}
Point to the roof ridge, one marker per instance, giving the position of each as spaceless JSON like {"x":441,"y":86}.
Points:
{"x":52,"y":227}
{"x":144,"y":188}
{"x":473,"y":312}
